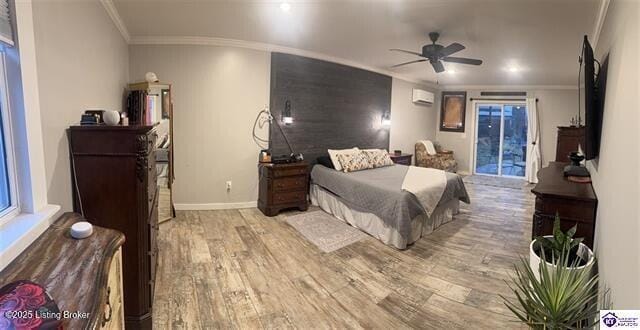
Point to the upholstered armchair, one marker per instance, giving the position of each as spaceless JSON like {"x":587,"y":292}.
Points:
{"x":436,"y":157}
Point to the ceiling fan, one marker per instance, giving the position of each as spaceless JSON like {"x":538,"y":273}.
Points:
{"x":435,"y":54}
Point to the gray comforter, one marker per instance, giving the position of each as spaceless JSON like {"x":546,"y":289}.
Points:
{"x":379,"y":191}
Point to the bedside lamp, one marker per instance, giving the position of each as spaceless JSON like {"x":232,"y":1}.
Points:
{"x":286,"y":114}
{"x":265,"y":116}
{"x":386,"y":119}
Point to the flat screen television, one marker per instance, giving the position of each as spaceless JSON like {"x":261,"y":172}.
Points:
{"x":591,"y":88}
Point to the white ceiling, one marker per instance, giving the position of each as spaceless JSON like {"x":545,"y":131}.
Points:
{"x":540,"y":38}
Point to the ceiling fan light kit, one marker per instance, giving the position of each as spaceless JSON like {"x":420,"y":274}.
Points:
{"x":436,"y":54}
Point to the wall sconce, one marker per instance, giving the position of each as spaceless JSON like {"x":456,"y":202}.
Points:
{"x":386,"y":119}
{"x":286,"y":115}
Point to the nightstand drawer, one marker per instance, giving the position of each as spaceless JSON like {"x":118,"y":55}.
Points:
{"x":290,"y":183}
{"x":289,"y":171}
{"x":290,"y":197}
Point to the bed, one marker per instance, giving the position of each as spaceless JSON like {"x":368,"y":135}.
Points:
{"x":373,"y":201}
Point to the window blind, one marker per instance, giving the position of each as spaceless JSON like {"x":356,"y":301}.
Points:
{"x":6,"y":33}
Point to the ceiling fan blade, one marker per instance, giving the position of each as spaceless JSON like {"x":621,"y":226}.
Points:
{"x":405,"y":51}
{"x":410,"y":62}
{"x":462,"y":60}
{"x":453,"y":48}
{"x":437,"y":66}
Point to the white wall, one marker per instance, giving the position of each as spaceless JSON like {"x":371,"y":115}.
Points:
{"x":82,"y":62}
{"x":615,"y":173}
{"x":217,"y":93}
{"x":555,"y":107}
{"x":410,"y":122}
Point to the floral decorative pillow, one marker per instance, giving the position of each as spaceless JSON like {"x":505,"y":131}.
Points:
{"x":354,"y":162}
{"x":333,"y":154}
{"x":378,"y":157}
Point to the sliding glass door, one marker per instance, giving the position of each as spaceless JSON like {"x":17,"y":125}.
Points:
{"x":501,"y":139}
{"x":489,"y":130}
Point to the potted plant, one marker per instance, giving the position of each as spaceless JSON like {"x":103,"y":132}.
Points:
{"x":565,"y":297}
{"x":551,"y":247}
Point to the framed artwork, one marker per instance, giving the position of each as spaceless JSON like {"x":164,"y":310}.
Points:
{"x":452,"y":112}
{"x":166,"y":104}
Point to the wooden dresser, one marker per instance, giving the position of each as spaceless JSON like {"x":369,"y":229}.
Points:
{"x":283,"y":186}
{"x":575,"y":203}
{"x":568,"y":140}
{"x":402,"y":159}
{"x":116,"y":179}
{"x":80,"y":275}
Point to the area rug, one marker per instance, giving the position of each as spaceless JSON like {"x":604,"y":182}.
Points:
{"x":325,"y":231}
{"x":495,"y":181}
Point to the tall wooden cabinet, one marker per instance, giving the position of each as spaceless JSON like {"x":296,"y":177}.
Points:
{"x":568,"y":140}
{"x":115,"y":175}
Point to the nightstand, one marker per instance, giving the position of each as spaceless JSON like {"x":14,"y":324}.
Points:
{"x":283,"y":186}
{"x":402,"y":159}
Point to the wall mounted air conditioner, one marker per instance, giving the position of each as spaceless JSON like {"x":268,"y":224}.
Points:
{"x":422,"y":97}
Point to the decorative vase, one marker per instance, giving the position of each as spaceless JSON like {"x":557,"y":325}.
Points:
{"x":584,"y":252}
{"x":111,"y":117}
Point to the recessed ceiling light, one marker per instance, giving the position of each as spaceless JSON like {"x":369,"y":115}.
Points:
{"x":451,"y":71}
{"x":512,"y":69}
{"x":285,"y":6}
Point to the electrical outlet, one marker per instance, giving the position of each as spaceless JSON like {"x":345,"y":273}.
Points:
{"x":228,"y":185}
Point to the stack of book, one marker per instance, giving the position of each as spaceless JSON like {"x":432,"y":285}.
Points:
{"x":141,"y":108}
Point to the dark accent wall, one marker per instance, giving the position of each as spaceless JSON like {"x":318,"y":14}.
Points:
{"x":333,"y":106}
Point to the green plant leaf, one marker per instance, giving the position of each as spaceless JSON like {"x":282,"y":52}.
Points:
{"x":577,"y":241}
{"x":572,"y":231}
{"x":562,"y":298}
{"x":544,"y":243}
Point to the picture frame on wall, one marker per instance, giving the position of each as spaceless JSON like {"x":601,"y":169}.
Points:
{"x":453,"y":109}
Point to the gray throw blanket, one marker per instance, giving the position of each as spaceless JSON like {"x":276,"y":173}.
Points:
{"x":379,"y":191}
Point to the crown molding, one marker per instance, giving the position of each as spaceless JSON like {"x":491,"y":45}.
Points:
{"x":602,"y":13}
{"x":117,"y":20}
{"x":224,"y":42}
{"x":509,"y":87}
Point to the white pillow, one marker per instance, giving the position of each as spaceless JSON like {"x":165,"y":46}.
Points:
{"x":333,"y":154}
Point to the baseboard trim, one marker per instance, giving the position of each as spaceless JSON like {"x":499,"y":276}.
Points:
{"x":214,"y":206}
{"x":463,"y":172}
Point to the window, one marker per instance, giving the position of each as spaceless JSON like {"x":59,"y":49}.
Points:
{"x":8,"y":191}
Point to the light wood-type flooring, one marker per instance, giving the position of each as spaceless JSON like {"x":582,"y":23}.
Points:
{"x":240,"y":269}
